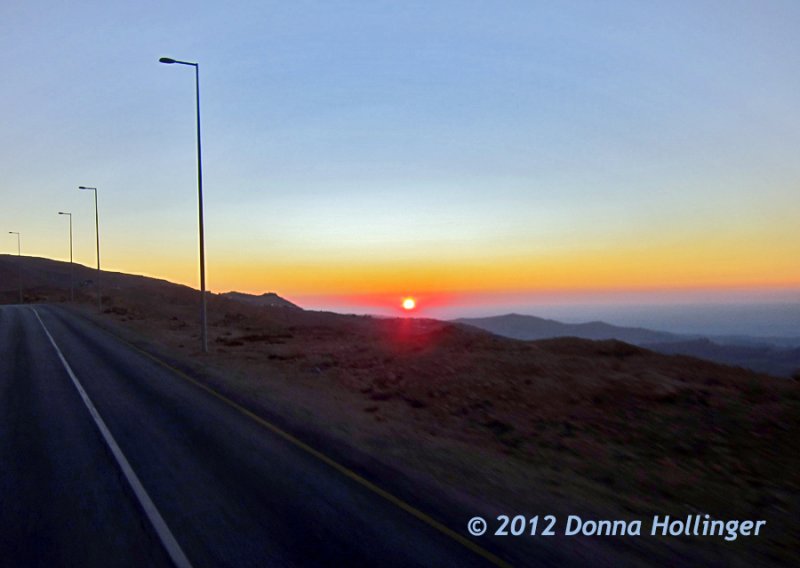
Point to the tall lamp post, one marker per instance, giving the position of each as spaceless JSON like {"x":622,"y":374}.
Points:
{"x":71,"y":275}
{"x":19,"y":263}
{"x":203,"y":332}
{"x":97,"y":236}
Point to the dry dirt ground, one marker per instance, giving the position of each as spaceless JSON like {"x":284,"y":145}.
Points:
{"x":520,"y":427}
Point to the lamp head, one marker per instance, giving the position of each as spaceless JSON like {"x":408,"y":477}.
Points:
{"x":167,"y":60}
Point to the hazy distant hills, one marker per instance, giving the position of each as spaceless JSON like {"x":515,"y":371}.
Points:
{"x":532,"y":328}
{"x":777,"y":356}
{"x":266,"y":299}
{"x":765,"y":358}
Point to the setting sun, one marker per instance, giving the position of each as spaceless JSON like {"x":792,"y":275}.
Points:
{"x":409,"y":304}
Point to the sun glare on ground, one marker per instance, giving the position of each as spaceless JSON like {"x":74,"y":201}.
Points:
{"x":409,"y":304}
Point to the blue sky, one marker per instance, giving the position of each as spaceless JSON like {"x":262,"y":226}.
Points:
{"x":427,"y":132}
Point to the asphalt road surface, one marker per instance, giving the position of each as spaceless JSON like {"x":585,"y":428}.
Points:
{"x":109,"y":459}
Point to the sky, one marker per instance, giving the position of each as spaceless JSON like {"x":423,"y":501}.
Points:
{"x":475,"y":155}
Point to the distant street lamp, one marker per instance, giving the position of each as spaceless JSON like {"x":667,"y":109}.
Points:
{"x":19,"y":263}
{"x":71,"y":278}
{"x":97,"y":236}
{"x":203,"y":332}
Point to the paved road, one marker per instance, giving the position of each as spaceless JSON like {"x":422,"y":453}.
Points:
{"x":215,"y":487}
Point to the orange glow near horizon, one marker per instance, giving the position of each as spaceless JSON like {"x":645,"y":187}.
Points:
{"x":437,"y":285}
{"x":661,"y":268}
{"x":670,"y":267}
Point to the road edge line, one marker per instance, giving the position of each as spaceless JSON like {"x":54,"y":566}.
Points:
{"x":163,"y":532}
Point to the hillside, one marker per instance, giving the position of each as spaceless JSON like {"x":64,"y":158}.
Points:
{"x":266,"y":299}
{"x":596,"y":427}
{"x":49,"y":280}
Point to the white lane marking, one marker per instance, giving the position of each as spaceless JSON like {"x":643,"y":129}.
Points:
{"x":164,"y":534}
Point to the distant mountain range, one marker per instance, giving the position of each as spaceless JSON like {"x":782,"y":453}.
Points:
{"x":778,"y":361}
{"x":266,"y":299}
{"x":779,"y":356}
{"x":532,"y":328}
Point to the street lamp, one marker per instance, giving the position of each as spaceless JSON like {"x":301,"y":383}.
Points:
{"x":203,"y":331}
{"x":71,"y":279}
{"x":19,"y":263}
{"x":97,"y":236}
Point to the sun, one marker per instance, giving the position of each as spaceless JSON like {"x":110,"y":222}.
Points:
{"x":409,"y":303}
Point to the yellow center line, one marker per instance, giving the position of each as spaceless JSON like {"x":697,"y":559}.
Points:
{"x":425,"y":518}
